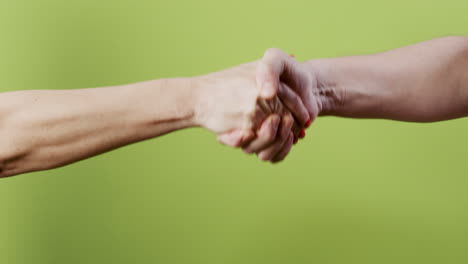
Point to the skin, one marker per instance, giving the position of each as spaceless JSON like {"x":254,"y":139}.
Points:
{"x":260,"y":107}
{"x":279,"y":74}
{"x":425,"y":82}
{"x":45,"y":129}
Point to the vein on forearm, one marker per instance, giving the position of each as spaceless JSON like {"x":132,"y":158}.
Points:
{"x":425,"y":82}
{"x":44,"y":129}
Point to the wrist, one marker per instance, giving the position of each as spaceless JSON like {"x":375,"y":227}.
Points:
{"x":185,"y":100}
{"x":350,"y":86}
{"x":199,"y":88}
{"x":165,"y":102}
{"x":329,"y":92}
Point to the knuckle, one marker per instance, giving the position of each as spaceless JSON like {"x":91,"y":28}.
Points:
{"x":247,"y":150}
{"x":237,"y":142}
{"x":264,"y":156}
{"x":273,"y":52}
{"x":288,"y":119}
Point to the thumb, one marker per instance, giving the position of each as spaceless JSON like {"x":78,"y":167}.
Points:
{"x":269,"y":71}
{"x":267,"y":80}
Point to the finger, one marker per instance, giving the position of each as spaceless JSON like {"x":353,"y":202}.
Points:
{"x":266,"y":135}
{"x":284,"y":150}
{"x":283,"y":134}
{"x":294,"y":104}
{"x":276,"y":66}
{"x":236,"y":138}
{"x":302,"y":134}
{"x":296,"y":130}
{"x":269,"y":70}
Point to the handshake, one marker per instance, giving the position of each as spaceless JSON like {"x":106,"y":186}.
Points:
{"x":264,"y":106}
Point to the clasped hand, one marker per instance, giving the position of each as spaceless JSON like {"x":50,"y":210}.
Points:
{"x":262,"y":107}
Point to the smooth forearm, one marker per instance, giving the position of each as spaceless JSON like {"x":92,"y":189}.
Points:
{"x":422,"y":83}
{"x":43,"y":129}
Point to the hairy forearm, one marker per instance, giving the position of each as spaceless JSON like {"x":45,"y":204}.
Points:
{"x":43,"y":129}
{"x":425,"y":82}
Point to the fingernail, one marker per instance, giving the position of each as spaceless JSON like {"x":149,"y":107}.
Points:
{"x":307,"y":124}
{"x":302,"y":133}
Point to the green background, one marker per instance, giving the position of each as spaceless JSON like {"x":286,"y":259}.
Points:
{"x":355,"y":191}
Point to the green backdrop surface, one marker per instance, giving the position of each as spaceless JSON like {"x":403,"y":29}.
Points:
{"x":355,"y":191}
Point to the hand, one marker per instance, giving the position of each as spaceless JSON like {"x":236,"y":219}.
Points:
{"x":279,"y":76}
{"x":296,"y":85}
{"x":230,"y":104}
